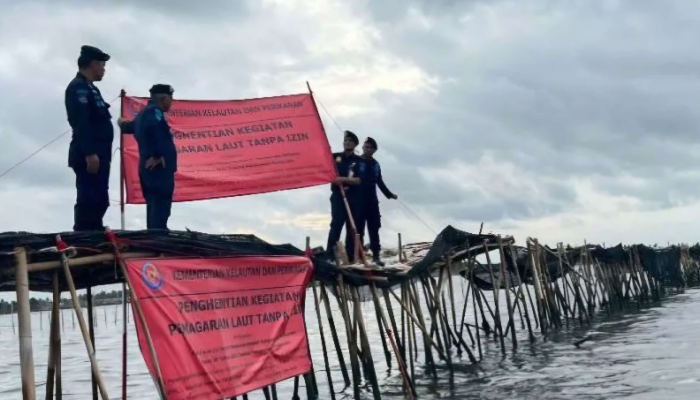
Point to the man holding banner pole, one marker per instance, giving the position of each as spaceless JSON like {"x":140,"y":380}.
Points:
{"x":350,"y":168}
{"x":157,"y":156}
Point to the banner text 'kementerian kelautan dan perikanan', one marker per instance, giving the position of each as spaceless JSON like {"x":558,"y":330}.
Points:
{"x":225,"y":326}
{"x":238,"y":147}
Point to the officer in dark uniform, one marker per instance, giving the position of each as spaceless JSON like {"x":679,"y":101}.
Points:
{"x":90,"y":151}
{"x":157,"y":156}
{"x":369,"y":203}
{"x":350,"y":167}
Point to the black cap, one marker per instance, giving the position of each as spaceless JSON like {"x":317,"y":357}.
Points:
{"x":161,"y":89}
{"x":371,"y":142}
{"x":93,"y":54}
{"x":352,"y":137}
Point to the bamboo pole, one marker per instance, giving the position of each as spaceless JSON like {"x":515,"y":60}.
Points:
{"x":26,"y":353}
{"x":411,"y":332}
{"x":323,"y":344}
{"x":54,"y":340}
{"x":409,"y":312}
{"x":83,"y":327}
{"x":476,"y":314}
{"x":91,"y":331}
{"x":349,"y":333}
{"x":147,"y":333}
{"x":426,"y":336}
{"x":403,"y":322}
{"x":427,"y":340}
{"x":519,"y":294}
{"x":125,"y":311}
{"x":435,"y":320}
{"x":538,"y":289}
{"x":496,"y":288}
{"x":392,"y":319}
{"x":452,"y":292}
{"x":408,"y":384}
{"x":466,"y":300}
{"x":508,"y":302}
{"x":387,"y":354}
{"x":366,"y":350}
{"x":85,"y":261}
{"x":336,"y":341}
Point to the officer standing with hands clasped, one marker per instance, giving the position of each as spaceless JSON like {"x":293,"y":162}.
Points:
{"x":157,"y":156}
{"x":350,"y":167}
{"x":369,"y":203}
{"x":90,"y":150}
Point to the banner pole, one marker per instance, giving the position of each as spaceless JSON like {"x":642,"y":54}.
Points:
{"x":358,"y":246}
{"x":123,"y":227}
{"x":121,"y":164}
{"x":146,"y":331}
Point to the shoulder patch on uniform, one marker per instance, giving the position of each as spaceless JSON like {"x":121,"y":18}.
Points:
{"x":338,"y":159}
{"x":159,"y":114}
{"x":82,"y":95}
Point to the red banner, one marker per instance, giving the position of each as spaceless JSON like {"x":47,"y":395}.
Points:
{"x":223,"y":327}
{"x":238,"y":147}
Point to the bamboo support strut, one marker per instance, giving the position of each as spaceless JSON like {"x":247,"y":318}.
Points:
{"x":83,"y":261}
{"x":420,"y":326}
{"x":323,"y":343}
{"x":54,"y":342}
{"x":26,"y":354}
{"x":83,"y":327}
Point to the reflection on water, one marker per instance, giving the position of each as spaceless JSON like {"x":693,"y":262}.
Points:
{"x":647,"y":354}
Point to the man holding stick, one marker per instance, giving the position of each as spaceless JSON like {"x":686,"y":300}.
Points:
{"x":350,"y":166}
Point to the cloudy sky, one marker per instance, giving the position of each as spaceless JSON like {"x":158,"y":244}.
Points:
{"x":562,"y":120}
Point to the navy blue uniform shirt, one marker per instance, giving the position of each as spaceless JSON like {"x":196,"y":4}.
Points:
{"x":349,"y":166}
{"x":89,"y":117}
{"x":371,"y":179}
{"x":154,"y":137}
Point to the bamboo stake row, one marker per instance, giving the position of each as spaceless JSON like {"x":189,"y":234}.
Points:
{"x":565,"y":291}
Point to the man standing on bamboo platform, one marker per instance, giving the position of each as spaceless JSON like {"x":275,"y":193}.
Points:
{"x":350,"y":166}
{"x":90,"y":150}
{"x":369,"y":202}
{"x":157,"y":156}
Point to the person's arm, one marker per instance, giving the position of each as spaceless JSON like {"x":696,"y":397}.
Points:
{"x":384,"y":189}
{"x":151,"y":127}
{"x":77,"y":106}
{"x":126,"y":127}
{"x":347,"y":181}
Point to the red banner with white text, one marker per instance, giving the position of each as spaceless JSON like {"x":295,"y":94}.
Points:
{"x":237,"y":147}
{"x":223,"y":327}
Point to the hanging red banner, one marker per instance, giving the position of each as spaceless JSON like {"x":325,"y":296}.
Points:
{"x":222,"y":327}
{"x":237,"y":147}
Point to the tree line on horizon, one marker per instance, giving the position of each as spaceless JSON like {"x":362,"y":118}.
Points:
{"x":10,"y":307}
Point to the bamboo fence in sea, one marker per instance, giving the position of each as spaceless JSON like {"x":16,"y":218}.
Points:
{"x":535,"y":290}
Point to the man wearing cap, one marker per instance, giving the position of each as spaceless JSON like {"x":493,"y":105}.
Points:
{"x":350,"y":166}
{"x":369,"y":202}
{"x":90,"y":150}
{"x":157,"y":156}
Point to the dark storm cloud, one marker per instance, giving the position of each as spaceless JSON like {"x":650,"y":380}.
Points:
{"x":505,"y":109}
{"x":563,"y":90}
